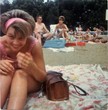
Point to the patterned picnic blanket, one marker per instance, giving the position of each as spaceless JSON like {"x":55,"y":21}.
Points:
{"x":91,"y":78}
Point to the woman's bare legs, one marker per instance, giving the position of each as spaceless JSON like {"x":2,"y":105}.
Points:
{"x":21,"y":85}
{"x":5,"y":82}
{"x":18,"y":92}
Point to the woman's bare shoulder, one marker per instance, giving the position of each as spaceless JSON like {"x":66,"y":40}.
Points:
{"x":37,"y":49}
{"x":64,"y":25}
{"x":57,"y":24}
{"x":33,"y":41}
{"x":38,"y":45}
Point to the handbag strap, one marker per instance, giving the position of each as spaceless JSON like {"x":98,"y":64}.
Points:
{"x":77,"y":87}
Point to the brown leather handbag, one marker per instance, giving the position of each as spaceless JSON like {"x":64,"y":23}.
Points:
{"x":55,"y":87}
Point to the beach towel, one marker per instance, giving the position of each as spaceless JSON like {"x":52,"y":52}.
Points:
{"x":54,"y":43}
{"x":75,"y":44}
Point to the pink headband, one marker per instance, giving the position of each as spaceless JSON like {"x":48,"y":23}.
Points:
{"x":10,"y":21}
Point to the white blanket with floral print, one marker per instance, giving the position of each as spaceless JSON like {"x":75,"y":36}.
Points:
{"x":91,"y":78}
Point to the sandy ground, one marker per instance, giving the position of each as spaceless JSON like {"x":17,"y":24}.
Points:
{"x":89,"y":54}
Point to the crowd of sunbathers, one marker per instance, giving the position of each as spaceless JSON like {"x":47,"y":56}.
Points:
{"x":70,"y":35}
{"x":61,"y":31}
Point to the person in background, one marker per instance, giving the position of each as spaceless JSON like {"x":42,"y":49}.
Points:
{"x":71,"y":35}
{"x":22,"y":67}
{"x":41,"y":32}
{"x":61,"y":29}
{"x":97,"y":32}
{"x":79,"y":30}
{"x":88,"y":36}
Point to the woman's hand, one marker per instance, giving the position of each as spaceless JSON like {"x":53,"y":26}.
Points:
{"x":24,"y":60}
{"x":6,"y":67}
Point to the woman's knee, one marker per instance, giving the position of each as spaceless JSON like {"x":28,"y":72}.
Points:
{"x":6,"y":77}
{"x":21,"y":74}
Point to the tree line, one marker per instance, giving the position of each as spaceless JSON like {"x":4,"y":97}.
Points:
{"x":88,"y":13}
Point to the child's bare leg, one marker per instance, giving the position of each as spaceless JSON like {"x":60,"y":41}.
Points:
{"x":5,"y":82}
{"x":18,"y":93}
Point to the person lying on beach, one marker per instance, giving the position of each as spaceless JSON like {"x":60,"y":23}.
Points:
{"x":99,"y":40}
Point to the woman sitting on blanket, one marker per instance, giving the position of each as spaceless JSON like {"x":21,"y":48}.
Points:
{"x":61,"y":28}
{"x":22,"y":68}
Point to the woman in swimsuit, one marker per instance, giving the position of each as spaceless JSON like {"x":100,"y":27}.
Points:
{"x":61,"y":28}
{"x":22,"y":68}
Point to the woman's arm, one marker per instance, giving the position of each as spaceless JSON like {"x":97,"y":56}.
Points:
{"x":38,"y":69}
{"x":6,"y":67}
{"x":33,"y":63}
{"x":65,"y":28}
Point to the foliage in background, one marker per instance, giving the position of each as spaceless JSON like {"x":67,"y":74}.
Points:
{"x":88,"y":13}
